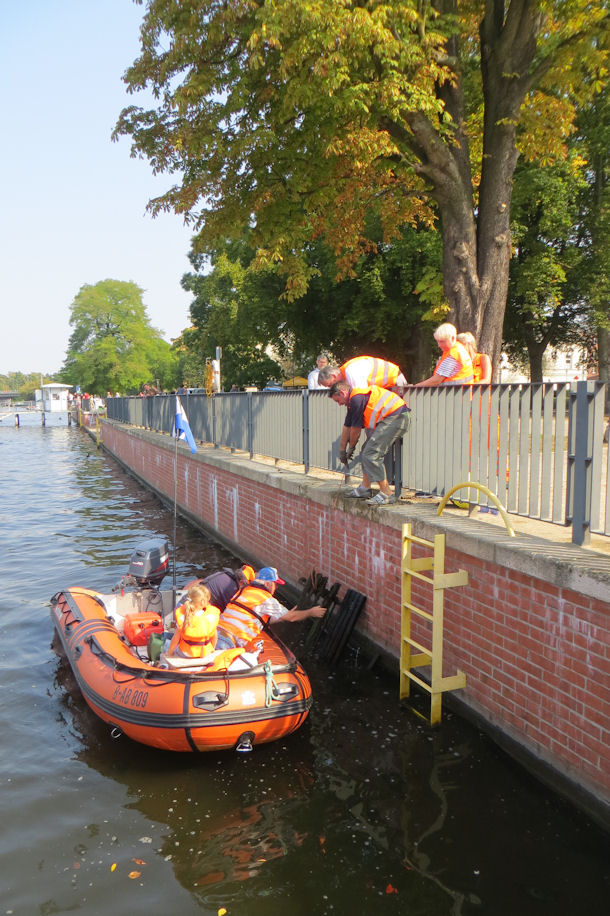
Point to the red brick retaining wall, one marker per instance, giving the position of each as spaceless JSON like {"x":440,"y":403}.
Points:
{"x":536,"y":652}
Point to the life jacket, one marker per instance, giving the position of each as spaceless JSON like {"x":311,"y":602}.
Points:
{"x":477,"y":367}
{"x":464,"y":374}
{"x":198,"y":638}
{"x":378,"y":371}
{"x":381,"y":404}
{"x":239,"y":618}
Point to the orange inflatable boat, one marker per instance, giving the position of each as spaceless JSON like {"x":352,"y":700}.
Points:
{"x":236,"y":701}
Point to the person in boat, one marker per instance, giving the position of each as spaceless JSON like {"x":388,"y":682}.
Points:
{"x":196,"y":623}
{"x":225,"y":583}
{"x":363,"y":372}
{"x":255,"y":605}
{"x":385,"y":418}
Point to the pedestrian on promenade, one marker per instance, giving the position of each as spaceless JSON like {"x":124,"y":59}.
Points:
{"x":454,"y":366}
{"x":481,"y":362}
{"x":312,"y":379}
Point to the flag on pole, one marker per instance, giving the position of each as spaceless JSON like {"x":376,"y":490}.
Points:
{"x":181,"y":426}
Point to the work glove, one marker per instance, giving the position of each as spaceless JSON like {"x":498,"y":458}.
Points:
{"x":343,"y":458}
{"x":349,"y":452}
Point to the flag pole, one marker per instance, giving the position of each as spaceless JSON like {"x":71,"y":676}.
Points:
{"x":182,"y":430}
{"x":175,"y":496}
{"x":175,"y":507}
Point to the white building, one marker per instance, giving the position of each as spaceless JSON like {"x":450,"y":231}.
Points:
{"x":558,"y":365}
{"x":53,"y":398}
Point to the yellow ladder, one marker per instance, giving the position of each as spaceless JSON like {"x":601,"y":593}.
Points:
{"x":414,"y":568}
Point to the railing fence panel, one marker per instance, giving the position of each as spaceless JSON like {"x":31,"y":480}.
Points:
{"x":539,"y":448}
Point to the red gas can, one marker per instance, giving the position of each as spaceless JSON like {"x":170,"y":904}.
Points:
{"x":138,"y":627}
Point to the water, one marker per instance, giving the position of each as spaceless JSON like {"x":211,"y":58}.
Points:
{"x":364,"y":810}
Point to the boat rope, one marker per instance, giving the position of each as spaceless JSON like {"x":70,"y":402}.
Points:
{"x":271,"y":689}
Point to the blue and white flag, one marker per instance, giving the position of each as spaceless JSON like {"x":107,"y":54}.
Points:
{"x":181,"y":426}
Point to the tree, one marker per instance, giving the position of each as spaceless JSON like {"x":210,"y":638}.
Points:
{"x":234,"y":310}
{"x":24,"y":384}
{"x":378,"y":310}
{"x":301,"y":117}
{"x":548,"y":288}
{"x":112,"y":345}
{"x":594,"y":135}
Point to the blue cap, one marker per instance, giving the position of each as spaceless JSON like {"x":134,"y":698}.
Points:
{"x":269,"y":574}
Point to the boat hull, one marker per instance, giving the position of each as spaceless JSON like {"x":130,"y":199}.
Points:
{"x":176,"y":710}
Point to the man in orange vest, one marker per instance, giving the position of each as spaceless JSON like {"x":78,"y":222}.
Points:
{"x":253,"y":606}
{"x":455,"y":365}
{"x":385,"y":418}
{"x":364,"y":371}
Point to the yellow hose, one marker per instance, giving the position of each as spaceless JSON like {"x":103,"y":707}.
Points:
{"x":482,"y":489}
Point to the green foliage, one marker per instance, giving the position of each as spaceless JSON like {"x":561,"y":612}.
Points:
{"x":546,"y":305}
{"x":302,"y":119}
{"x":113,"y":346}
{"x":559,"y":292}
{"x":25,"y":383}
{"x":593,"y":139}
{"x":233,"y":308}
{"x":239,"y":306}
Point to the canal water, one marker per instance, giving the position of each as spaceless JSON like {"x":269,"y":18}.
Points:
{"x":365,"y":810}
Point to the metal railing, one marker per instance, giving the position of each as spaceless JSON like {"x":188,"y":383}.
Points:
{"x":538,"y":448}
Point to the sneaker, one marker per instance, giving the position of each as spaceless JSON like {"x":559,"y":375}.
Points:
{"x":380,"y":499}
{"x":358,"y":493}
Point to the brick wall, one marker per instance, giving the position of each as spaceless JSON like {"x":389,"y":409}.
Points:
{"x":536,"y":653}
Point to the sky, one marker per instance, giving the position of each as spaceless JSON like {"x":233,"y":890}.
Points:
{"x":73,"y":203}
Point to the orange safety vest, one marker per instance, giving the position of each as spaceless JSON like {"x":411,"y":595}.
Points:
{"x":464,"y":375}
{"x":199,"y":636}
{"x":239,"y":618}
{"x":477,"y":367}
{"x":381,"y":404}
{"x":380,"y":371}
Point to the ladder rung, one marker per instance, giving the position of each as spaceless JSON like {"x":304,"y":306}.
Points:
{"x":421,"y":541}
{"x":417,"y":610}
{"x":418,"y":680}
{"x":417,"y":645}
{"x":417,"y":575}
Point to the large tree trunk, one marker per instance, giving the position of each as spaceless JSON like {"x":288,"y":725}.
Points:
{"x":536,"y":353}
{"x":476,"y":235}
{"x":603,"y":360}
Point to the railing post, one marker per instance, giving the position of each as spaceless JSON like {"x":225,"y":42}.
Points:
{"x":581,"y":463}
{"x":305,"y":404}
{"x":397,"y":457}
{"x":214,"y":443}
{"x":250,"y":426}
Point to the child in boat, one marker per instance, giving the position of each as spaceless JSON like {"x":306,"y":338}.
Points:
{"x":196,"y":622}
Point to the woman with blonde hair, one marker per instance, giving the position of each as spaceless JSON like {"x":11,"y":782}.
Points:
{"x":481,"y":363}
{"x":196,"y":622}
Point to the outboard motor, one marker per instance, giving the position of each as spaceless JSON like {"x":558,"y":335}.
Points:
{"x":149,"y":563}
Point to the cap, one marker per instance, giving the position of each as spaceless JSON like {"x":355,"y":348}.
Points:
{"x":248,"y":573}
{"x":269,"y":574}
